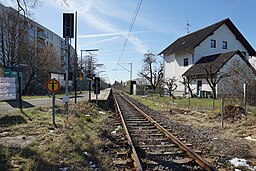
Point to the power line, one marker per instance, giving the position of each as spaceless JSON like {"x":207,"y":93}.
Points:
{"x":130,"y":30}
{"x":131,"y":27}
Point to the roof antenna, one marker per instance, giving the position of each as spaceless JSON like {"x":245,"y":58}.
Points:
{"x":187,"y":28}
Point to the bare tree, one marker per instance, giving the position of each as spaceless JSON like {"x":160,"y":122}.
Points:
{"x":150,"y":70}
{"x":38,"y":63}
{"x":213,"y":77}
{"x":24,"y":6}
{"x":90,"y":65}
{"x":241,"y":72}
{"x":10,"y":36}
{"x":171,"y":86}
{"x":186,"y":82}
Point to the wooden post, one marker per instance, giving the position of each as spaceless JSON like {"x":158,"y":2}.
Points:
{"x":189,"y":100}
{"x":172,"y":103}
{"x":222,"y":112}
{"x":245,"y":96}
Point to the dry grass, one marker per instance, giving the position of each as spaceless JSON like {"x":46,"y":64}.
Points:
{"x":73,"y":144}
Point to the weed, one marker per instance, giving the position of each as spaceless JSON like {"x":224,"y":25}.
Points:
{"x":29,"y":165}
{"x":5,"y":158}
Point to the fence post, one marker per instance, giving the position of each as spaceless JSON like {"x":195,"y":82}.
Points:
{"x":172,"y":103}
{"x":245,"y":98}
{"x":189,"y":101}
{"x":222,"y":112}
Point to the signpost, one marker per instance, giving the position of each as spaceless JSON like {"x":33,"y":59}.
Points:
{"x":68,"y":33}
{"x":53,"y":86}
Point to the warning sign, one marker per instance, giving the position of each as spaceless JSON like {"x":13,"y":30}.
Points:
{"x":53,"y":85}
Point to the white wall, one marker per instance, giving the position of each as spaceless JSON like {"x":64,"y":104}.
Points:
{"x":252,"y":61}
{"x":174,"y":63}
{"x":221,"y":34}
{"x":174,"y":68}
{"x":205,"y":85}
{"x":169,"y":66}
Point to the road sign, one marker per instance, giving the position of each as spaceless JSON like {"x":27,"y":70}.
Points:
{"x":81,"y":76}
{"x":53,"y":85}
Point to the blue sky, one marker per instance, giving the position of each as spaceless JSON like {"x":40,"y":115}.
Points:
{"x":104,"y":24}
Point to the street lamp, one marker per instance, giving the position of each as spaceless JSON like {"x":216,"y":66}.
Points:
{"x":81,"y":69}
{"x":90,"y":69}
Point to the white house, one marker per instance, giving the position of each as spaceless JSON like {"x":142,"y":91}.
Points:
{"x":192,"y":54}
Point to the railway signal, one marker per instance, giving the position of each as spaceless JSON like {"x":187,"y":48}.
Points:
{"x":96,"y":85}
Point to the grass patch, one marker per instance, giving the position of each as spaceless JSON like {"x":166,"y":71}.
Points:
{"x":58,"y":95}
{"x":73,"y":144}
{"x":156,"y":101}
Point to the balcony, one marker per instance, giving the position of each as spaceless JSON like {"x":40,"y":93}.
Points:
{"x":23,"y":27}
{"x":41,"y":35}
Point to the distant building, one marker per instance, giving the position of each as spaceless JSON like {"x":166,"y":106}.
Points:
{"x":31,"y":31}
{"x":216,"y":48}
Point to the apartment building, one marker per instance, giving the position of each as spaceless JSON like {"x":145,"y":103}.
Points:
{"x":17,"y":35}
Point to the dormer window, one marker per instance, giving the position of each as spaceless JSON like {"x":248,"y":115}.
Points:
{"x":213,"y":43}
{"x":224,"y":44}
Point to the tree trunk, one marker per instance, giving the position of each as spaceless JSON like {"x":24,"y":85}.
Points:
{"x":154,"y":87}
{"x":25,"y":90}
{"x":171,"y":95}
{"x":214,"y":92}
{"x":190,"y":91}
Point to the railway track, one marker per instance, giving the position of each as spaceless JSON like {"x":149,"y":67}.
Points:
{"x":152,"y":145}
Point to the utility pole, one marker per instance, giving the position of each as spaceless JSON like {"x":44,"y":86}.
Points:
{"x":131,"y":72}
{"x":125,"y":69}
{"x":81,"y":69}
{"x":90,"y":77}
{"x":75,"y":73}
{"x":67,"y":57}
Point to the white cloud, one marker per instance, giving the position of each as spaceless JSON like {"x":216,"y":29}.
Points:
{"x":90,"y":11}
{"x":108,"y":34}
{"x":101,"y":41}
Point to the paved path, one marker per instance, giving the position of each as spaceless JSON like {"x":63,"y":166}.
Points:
{"x":11,"y":106}
{"x":103,"y":94}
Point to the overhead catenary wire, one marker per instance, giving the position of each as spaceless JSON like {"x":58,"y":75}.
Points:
{"x":130,"y":30}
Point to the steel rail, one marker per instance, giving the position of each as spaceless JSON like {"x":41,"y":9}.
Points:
{"x":137,"y":163}
{"x":198,"y":159}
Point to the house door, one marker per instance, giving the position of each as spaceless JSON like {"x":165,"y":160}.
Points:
{"x":199,"y":88}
